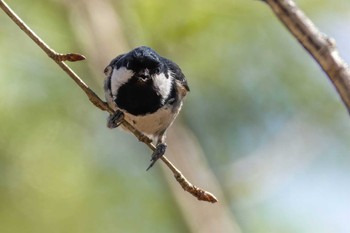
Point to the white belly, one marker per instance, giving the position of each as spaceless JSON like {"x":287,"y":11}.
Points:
{"x":153,"y":125}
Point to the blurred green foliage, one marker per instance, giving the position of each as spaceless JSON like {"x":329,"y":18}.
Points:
{"x":61,"y":170}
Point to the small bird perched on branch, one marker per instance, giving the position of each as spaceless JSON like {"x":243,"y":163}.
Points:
{"x":147,"y":90}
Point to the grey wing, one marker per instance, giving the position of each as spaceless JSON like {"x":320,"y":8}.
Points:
{"x":177,"y":72}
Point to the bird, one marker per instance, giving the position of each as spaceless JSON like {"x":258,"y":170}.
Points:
{"x":147,"y":90}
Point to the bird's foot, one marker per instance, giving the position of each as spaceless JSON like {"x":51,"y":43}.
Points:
{"x":114,"y":120}
{"x":157,"y":154}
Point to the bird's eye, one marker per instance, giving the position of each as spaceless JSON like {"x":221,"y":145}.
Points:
{"x":157,"y":70}
{"x":108,"y":71}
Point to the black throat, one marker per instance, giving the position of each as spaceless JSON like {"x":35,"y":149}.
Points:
{"x":138,"y":98}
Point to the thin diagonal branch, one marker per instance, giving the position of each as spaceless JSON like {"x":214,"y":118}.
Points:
{"x":60,"y":58}
{"x":320,"y":46}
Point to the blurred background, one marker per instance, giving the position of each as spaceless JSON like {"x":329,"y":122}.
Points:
{"x":262,"y":128}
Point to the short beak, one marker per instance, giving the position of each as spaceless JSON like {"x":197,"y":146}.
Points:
{"x":144,"y":75}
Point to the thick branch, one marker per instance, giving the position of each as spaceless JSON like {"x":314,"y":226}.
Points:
{"x":321,"y":47}
{"x":59,"y":58}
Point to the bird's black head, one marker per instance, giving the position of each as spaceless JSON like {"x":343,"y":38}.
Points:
{"x":142,"y":61}
{"x":142,"y":57}
{"x":140,"y":81}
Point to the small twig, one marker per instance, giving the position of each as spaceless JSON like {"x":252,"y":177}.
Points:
{"x":201,"y":194}
{"x":321,"y":47}
{"x":59,"y":58}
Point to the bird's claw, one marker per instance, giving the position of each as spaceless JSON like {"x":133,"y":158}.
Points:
{"x":157,"y":154}
{"x":114,"y":120}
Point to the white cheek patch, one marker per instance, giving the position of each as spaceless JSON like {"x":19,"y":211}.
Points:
{"x":163,"y":85}
{"x":119,"y":77}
